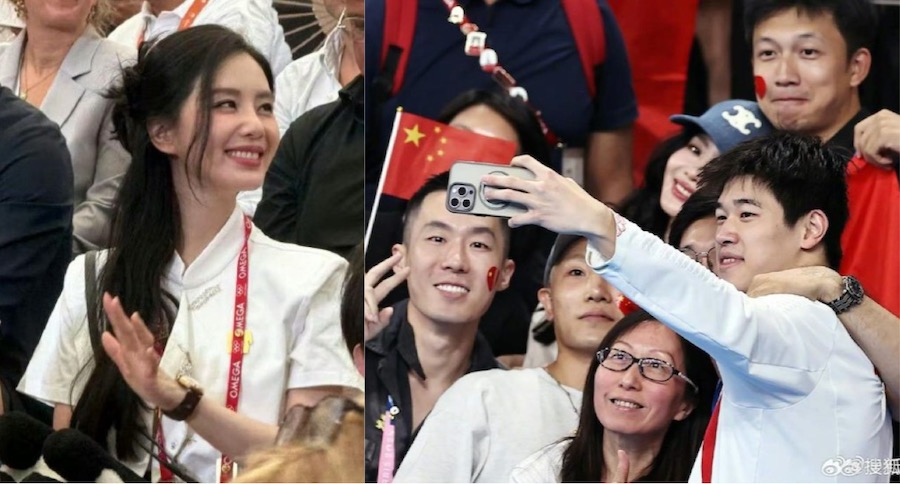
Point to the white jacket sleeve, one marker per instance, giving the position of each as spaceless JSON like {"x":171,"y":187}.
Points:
{"x":770,"y":349}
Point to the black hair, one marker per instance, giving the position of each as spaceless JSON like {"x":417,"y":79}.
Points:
{"x":642,"y":205}
{"x":583,"y":458}
{"x":146,"y":223}
{"x":700,"y":205}
{"x":352,"y":300}
{"x":438,"y":183}
{"x":513,"y":110}
{"x":856,"y":20}
{"x":802,"y":174}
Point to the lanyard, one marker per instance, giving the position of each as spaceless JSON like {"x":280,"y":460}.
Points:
{"x":235,"y":366}
{"x":498,"y":73}
{"x":386,"y":459}
{"x":709,"y":444}
{"x":186,"y":21}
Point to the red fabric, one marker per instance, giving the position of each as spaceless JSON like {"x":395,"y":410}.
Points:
{"x":871,"y":240}
{"x":709,"y":444}
{"x":587,"y":27}
{"x":658,"y":36}
{"x":399,"y":27}
{"x":421,"y":148}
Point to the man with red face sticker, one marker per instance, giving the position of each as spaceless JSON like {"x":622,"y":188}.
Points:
{"x":431,"y":339}
{"x":489,"y":421}
{"x":809,"y":59}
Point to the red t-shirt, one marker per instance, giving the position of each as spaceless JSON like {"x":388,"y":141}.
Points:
{"x":871,"y":239}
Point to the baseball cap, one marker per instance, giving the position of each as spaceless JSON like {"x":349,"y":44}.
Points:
{"x":563,"y":241}
{"x":729,"y":123}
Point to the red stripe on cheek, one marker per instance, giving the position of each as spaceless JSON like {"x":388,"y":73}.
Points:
{"x":760,"y":84}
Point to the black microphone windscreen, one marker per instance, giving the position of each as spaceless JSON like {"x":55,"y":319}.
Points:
{"x":76,"y":457}
{"x":21,"y":439}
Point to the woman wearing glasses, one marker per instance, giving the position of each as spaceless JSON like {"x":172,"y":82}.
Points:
{"x":648,"y":393}
{"x":671,"y":173}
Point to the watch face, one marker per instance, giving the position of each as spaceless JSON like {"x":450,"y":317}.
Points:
{"x":854,"y":288}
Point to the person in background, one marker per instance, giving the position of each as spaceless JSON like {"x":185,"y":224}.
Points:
{"x":36,"y":203}
{"x":671,"y":174}
{"x":61,"y":64}
{"x":809,"y":60}
{"x":256,"y":20}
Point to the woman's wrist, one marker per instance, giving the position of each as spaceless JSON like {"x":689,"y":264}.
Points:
{"x":171,"y":394}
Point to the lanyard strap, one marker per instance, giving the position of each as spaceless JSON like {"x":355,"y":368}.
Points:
{"x":186,"y":21}
{"x":386,"y":459}
{"x":235,"y":366}
{"x":709,"y":444}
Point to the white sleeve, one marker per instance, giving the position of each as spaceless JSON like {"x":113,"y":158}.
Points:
{"x":542,"y":466}
{"x":770,"y":350}
{"x":260,"y":26}
{"x":63,"y":360}
{"x":319,"y":356}
{"x":285,"y":92}
{"x":452,"y":440}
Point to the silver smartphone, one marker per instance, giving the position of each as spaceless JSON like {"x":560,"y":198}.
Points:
{"x":465,"y":192}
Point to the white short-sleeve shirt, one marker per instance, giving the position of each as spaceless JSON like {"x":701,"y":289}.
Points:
{"x":256,"y":20}
{"x":293,"y":310}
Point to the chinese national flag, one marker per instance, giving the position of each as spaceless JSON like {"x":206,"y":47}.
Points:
{"x":871,"y":238}
{"x":420,"y":148}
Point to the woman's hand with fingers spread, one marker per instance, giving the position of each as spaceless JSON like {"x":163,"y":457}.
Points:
{"x":131,"y":347}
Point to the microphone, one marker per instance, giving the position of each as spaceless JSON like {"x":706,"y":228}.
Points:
{"x":77,"y":457}
{"x":21,"y":440}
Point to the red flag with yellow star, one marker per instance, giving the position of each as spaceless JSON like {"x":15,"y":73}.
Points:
{"x":421,"y":148}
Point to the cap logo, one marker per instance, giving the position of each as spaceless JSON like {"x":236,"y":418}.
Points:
{"x":741,"y":118}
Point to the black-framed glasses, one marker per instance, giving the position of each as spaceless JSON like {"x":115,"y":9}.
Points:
{"x":707,"y":259}
{"x":652,"y":369}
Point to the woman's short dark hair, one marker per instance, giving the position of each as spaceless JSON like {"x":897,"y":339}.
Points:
{"x":583,"y":458}
{"x":700,"y":205}
{"x":146,"y":223}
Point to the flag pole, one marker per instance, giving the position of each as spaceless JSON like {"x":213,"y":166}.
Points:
{"x":384,"y":170}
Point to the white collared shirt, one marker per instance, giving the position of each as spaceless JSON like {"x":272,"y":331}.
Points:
{"x":486,"y":423}
{"x":797,"y":392}
{"x":256,"y":20}
{"x":308,"y":82}
{"x":292,"y":317}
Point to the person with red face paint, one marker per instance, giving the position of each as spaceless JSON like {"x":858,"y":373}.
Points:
{"x":453,"y":265}
{"x":809,"y":59}
{"x":796,"y":388}
{"x":489,"y":421}
{"x":647,"y":401}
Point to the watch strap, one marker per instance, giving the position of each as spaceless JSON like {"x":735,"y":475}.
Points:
{"x":851,"y":296}
{"x":186,"y":407}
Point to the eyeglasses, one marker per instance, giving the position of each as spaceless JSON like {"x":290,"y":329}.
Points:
{"x":652,"y":369}
{"x":354,"y":26}
{"x":707,"y":259}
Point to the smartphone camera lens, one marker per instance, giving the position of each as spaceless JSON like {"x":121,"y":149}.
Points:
{"x":466,"y":203}
{"x":461,"y":191}
{"x":454,"y":202}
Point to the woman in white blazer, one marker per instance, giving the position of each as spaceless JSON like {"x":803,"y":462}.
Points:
{"x":61,"y":64}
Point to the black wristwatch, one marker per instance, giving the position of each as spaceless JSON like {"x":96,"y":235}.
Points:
{"x":853,"y":294}
{"x":190,"y":402}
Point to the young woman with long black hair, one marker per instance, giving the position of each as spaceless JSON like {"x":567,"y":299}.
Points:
{"x":201,"y":330}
